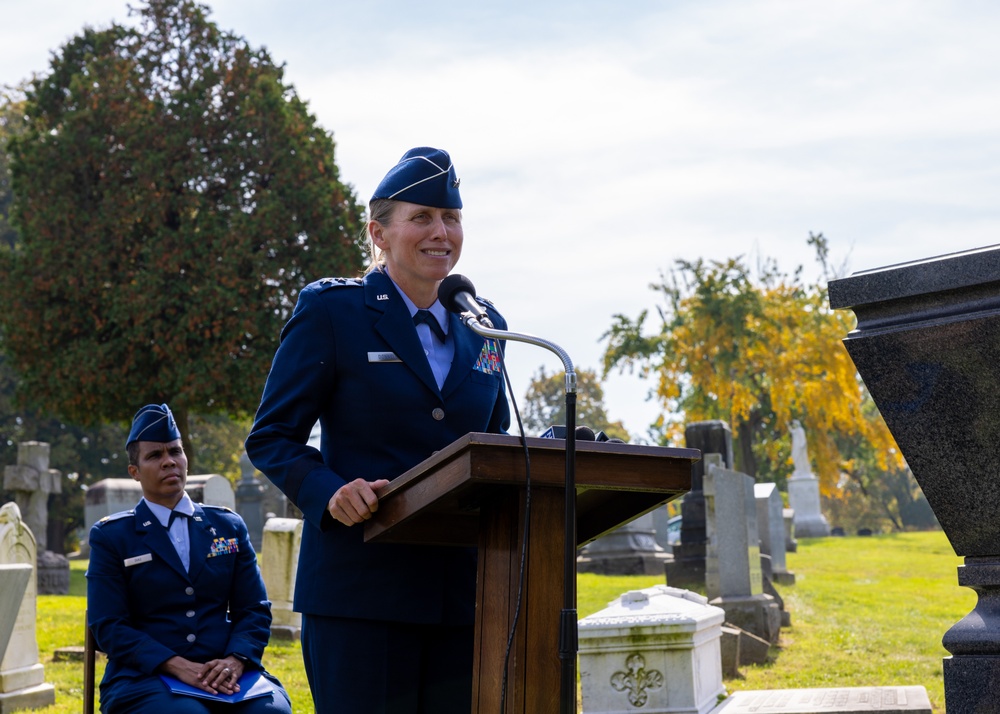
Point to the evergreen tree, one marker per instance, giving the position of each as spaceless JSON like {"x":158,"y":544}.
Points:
{"x":172,"y":195}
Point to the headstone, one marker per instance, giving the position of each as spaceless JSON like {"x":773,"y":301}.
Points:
{"x":730,"y":648}
{"x":31,"y":480}
{"x":211,"y":489}
{"x":22,"y":676}
{"x":250,"y":501}
{"x":788,"y":516}
{"x":13,"y":584}
{"x":278,"y":564}
{"x":803,"y":490}
{"x":630,"y":549}
{"x":108,"y":496}
{"x":771,"y":529}
{"x":655,"y":650}
{"x":688,"y":565}
{"x":733,"y":578}
{"x":53,"y":574}
{"x":113,"y":495}
{"x":847,"y":700}
{"x":926,"y":347}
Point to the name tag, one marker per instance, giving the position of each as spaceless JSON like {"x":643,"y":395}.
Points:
{"x":383,"y":357}
{"x":129,"y":562}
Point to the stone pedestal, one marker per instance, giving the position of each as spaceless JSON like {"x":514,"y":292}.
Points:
{"x":22,"y":677}
{"x":803,"y":497}
{"x":688,"y":565}
{"x":926,"y":346}
{"x":628,"y":550}
{"x":278,"y":565}
{"x":655,"y":650}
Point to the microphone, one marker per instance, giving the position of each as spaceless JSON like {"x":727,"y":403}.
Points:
{"x":585,"y":433}
{"x":458,"y":295}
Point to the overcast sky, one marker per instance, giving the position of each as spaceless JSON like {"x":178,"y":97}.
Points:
{"x":599,"y":142}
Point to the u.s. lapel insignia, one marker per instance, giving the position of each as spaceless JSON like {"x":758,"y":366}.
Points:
{"x":147,"y":523}
{"x":382,"y":296}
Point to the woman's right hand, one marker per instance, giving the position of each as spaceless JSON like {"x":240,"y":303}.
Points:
{"x":355,"y":502}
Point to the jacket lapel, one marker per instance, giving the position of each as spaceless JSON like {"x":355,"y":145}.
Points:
{"x":395,"y":326}
{"x":155,"y":537}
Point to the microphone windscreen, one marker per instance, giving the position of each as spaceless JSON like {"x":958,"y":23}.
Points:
{"x":585,"y":433}
{"x":452,"y":286}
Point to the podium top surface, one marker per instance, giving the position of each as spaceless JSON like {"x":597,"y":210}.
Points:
{"x":437,"y":501}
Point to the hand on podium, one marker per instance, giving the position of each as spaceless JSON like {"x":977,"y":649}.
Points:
{"x":355,"y":502}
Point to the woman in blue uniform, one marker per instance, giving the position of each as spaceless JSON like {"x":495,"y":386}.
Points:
{"x":173,"y":588}
{"x":391,"y":377}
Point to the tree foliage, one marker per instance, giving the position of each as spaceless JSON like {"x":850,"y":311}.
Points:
{"x":172,"y":195}
{"x":12,"y":124}
{"x":756,"y":350}
{"x":545,"y":404}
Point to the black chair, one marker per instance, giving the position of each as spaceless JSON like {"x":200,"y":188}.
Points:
{"x":89,"y":666}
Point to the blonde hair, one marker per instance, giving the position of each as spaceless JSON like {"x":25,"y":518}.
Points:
{"x":380,"y":210}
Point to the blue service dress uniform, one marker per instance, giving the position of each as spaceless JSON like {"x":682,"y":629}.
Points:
{"x":350,"y":358}
{"x":144,"y":608}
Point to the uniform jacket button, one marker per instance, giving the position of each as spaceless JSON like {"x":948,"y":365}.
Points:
{"x":189,"y":590}
{"x":190,"y":613}
{"x":191,"y":637}
{"x":438,"y":413}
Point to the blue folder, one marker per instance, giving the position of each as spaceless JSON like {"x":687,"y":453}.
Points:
{"x":253,"y":684}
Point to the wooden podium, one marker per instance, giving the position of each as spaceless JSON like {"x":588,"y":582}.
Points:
{"x":472,"y":493}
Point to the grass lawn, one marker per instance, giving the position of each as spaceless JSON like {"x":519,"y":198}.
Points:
{"x":865,"y":612}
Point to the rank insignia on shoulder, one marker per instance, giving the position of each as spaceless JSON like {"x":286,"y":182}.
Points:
{"x":336,"y":282}
{"x":115,"y":517}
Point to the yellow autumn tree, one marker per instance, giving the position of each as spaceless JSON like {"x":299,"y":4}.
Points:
{"x":757,"y":351}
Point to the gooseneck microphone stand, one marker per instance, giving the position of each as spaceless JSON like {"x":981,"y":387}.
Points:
{"x":568,"y":631}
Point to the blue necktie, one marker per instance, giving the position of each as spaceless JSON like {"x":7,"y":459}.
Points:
{"x":427,"y":318}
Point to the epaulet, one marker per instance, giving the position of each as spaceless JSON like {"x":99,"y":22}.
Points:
{"x":216,"y":508}
{"x":486,"y":301}
{"x":326,"y":283}
{"x":115,"y":517}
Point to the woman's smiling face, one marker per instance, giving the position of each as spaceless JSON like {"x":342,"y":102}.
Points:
{"x":421,"y":245}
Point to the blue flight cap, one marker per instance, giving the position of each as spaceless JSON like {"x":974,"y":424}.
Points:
{"x":154,"y":422}
{"x":424,"y":176}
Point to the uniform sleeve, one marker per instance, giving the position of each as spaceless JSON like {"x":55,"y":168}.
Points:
{"x":302,"y":374}
{"x":249,"y":608}
{"x":108,"y":609}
